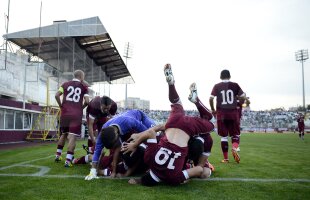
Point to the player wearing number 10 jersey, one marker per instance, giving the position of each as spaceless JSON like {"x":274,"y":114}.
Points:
{"x":226,"y":93}
{"x":74,"y":93}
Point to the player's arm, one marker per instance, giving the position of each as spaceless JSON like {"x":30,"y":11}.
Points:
{"x":91,"y":121}
{"x":86,"y":101}
{"x":137,"y":139}
{"x":57,"y":96}
{"x":116,"y":156}
{"x":211,"y":102}
{"x":94,"y":169}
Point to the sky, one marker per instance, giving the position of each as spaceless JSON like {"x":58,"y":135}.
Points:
{"x":255,"y":40}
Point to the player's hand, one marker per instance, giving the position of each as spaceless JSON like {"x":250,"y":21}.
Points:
{"x":206,"y":173}
{"x":92,"y":175}
{"x":128,"y":147}
{"x":133,"y":137}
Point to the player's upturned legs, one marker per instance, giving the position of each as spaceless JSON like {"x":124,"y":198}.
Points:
{"x":168,"y":74}
{"x":204,"y":112}
{"x":173,"y":94}
{"x":192,"y":97}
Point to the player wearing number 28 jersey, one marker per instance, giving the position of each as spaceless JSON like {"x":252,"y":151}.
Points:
{"x":74,"y":92}
{"x":226,"y":93}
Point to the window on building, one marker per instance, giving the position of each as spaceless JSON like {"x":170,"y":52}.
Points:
{"x":27,"y":120}
{"x":9,"y":119}
{"x":18,"y":120}
{"x":35,"y":123}
{"x":1,"y":119}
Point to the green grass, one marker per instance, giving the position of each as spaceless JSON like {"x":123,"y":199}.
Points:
{"x":274,"y":161}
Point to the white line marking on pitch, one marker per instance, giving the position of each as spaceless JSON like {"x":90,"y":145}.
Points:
{"x":44,"y":170}
{"x":210,"y":179}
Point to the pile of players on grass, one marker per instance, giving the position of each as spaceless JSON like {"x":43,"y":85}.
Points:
{"x":131,"y":144}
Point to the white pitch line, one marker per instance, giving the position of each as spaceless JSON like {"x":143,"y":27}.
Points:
{"x":30,"y":161}
{"x":210,"y":179}
{"x":44,"y":170}
{"x":26,"y":162}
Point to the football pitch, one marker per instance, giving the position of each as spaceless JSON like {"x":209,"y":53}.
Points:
{"x":273,"y":166}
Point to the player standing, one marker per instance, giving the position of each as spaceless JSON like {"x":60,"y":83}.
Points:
{"x":301,"y":125}
{"x":227,"y":93}
{"x":73,"y":92}
{"x":99,"y":111}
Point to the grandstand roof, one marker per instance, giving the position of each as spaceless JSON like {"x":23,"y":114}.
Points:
{"x":82,"y":44}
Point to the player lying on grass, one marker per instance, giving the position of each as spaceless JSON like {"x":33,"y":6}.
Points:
{"x":166,"y":158}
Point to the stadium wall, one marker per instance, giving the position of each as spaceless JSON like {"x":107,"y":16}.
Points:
{"x":16,"y":122}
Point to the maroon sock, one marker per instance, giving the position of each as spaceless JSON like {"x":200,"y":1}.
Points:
{"x":173,"y":95}
{"x":224,"y":145}
{"x":235,"y":140}
{"x":204,"y":112}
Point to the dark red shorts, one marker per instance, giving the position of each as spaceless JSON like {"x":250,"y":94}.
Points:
{"x":71,"y":124}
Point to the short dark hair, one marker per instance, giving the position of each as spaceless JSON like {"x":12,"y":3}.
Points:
{"x":109,"y":137}
{"x":225,"y":74}
{"x":147,"y":180}
{"x":195,"y":149}
{"x":106,"y":100}
{"x":131,"y":160}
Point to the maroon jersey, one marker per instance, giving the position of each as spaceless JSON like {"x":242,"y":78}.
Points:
{"x":190,"y":125}
{"x":301,"y":123}
{"x":94,"y":110}
{"x":73,"y":96}
{"x":226,"y":94}
{"x":166,"y":161}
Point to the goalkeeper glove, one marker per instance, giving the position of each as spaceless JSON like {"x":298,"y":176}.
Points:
{"x":92,"y":174}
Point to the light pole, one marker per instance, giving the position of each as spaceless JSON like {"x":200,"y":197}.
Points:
{"x":302,"y":56}
{"x":127,"y":54}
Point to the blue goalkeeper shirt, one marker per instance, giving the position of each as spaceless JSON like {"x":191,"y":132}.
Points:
{"x":131,"y":121}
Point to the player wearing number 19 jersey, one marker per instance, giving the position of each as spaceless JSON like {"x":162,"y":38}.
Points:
{"x":167,"y":157}
{"x":226,"y":93}
{"x":74,"y":92}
